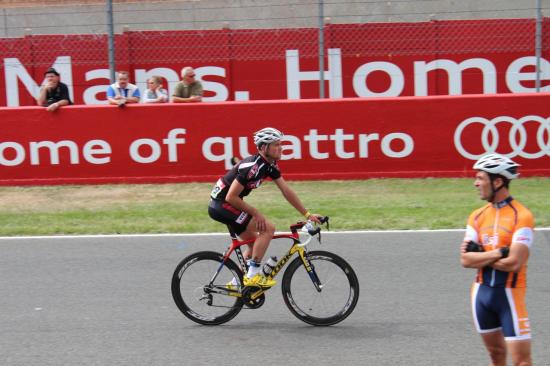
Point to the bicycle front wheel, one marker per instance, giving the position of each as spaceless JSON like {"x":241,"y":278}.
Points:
{"x":337,"y":294}
{"x":201,"y":297}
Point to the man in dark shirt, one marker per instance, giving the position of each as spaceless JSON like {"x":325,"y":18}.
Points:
{"x":54,"y":93}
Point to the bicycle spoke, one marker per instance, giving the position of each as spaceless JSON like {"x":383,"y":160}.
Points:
{"x":326,"y":278}
{"x":323,"y":303}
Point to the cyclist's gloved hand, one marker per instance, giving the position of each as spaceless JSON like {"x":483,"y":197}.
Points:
{"x":472,"y":246}
{"x":312,"y":228}
{"x":504,"y":252}
{"x":315,"y":218}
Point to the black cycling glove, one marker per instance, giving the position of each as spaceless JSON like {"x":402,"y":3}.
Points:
{"x":474,"y":247}
{"x":504,"y":251}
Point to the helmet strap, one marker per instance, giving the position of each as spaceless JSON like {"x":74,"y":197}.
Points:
{"x":494,"y":191}
{"x":263,"y":150}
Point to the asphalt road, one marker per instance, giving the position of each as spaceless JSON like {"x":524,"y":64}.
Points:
{"x":107,"y":301}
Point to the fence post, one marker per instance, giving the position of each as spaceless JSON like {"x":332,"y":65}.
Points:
{"x":5,"y":21}
{"x":111,"y":40}
{"x":321,"y":50}
{"x":538,"y":44}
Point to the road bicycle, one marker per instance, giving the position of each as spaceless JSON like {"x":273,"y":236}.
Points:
{"x":319,"y":287}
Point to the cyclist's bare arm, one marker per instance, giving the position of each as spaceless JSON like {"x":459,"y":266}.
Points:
{"x":515,"y":260}
{"x":234,"y":200}
{"x":293,"y":199}
{"x":478,"y":260}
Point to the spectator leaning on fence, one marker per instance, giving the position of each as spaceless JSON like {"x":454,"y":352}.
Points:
{"x":155,"y":93}
{"x":54,"y":93}
{"x":122,"y":92}
{"x":188,"y":90}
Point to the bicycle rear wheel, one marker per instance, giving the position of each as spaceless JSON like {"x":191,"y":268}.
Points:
{"x":338,"y":283}
{"x":197,"y":299}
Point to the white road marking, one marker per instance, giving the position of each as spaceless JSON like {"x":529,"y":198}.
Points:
{"x":171,"y":235}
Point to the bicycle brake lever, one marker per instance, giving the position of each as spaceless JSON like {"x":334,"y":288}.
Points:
{"x":312,"y":231}
{"x":324,"y":220}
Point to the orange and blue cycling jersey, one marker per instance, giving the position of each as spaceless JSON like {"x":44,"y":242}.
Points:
{"x":501,"y":225}
{"x":498,"y":297}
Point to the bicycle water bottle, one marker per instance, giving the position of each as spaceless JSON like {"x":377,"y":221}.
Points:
{"x":269,"y":266}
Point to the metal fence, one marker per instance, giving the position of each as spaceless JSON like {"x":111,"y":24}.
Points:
{"x":113,"y":32}
{"x":90,"y":17}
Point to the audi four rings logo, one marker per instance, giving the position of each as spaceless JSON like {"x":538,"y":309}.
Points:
{"x":517,"y":136}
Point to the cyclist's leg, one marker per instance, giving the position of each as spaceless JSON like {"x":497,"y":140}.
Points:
{"x":495,"y":345}
{"x":247,"y":252}
{"x":516,"y":326}
{"x":254,"y":276}
{"x":244,"y":226}
{"x":262,"y":239}
{"x":520,"y":352}
{"x":236,"y":222}
{"x":488,"y":323}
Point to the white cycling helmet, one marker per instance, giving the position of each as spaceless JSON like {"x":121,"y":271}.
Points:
{"x":266,"y":136}
{"x":497,"y":164}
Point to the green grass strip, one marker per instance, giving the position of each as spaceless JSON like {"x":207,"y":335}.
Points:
{"x":375,"y":204}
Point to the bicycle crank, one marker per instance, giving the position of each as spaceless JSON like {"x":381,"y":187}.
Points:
{"x":251,"y":299}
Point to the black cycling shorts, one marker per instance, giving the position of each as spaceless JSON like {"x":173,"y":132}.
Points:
{"x":236,"y":220}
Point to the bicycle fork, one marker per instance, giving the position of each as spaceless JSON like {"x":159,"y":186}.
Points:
{"x":310,"y":268}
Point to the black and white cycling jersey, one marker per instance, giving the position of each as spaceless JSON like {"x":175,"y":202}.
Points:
{"x":250,"y":172}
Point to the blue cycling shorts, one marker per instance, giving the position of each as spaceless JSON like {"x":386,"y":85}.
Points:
{"x":501,"y":309}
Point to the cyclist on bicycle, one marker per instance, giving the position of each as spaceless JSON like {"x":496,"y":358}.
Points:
{"x":498,"y":240}
{"x":244,"y":221}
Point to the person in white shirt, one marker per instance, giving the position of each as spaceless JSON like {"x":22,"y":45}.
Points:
{"x":155,"y":93}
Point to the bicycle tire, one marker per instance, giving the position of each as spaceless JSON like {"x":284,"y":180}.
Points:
{"x":189,"y":280}
{"x":300,"y":294}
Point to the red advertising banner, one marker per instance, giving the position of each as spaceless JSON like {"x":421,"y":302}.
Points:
{"x":362,"y":60}
{"x":324,"y":139}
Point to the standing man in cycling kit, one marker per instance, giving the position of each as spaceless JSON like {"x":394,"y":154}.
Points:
{"x":227,"y":205}
{"x":498,"y":239}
